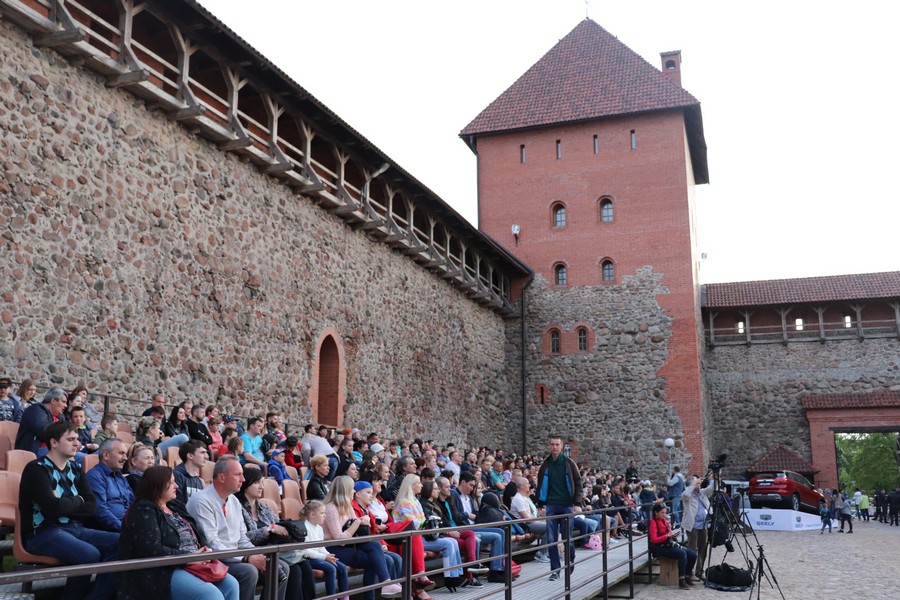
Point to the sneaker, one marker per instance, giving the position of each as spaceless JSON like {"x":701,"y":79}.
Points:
{"x":473,"y":583}
{"x":394,"y":590}
{"x":478,"y":569}
{"x":541,"y":558}
{"x":496,"y":577}
{"x":554,"y":576}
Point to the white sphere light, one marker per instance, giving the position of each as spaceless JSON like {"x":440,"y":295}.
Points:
{"x":670,"y":443}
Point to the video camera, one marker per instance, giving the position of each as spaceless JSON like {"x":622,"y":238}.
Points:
{"x":716,"y":465}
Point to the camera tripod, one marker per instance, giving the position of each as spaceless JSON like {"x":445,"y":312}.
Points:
{"x":724,"y":526}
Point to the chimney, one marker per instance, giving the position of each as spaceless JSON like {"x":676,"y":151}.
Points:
{"x":671,"y":65}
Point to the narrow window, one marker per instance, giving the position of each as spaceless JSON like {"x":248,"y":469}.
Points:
{"x":582,"y":339}
{"x":543,"y":396}
{"x":848,"y":321}
{"x":522,"y":154}
{"x":798,"y":324}
{"x":670,"y":64}
{"x":609,"y":271}
{"x":559,"y":215}
{"x":560,"y":276}
{"x":606,"y":211}
{"x":740,"y":327}
{"x":596,"y":144}
{"x":554,"y":342}
{"x":558,"y":149}
{"x":633,"y":140}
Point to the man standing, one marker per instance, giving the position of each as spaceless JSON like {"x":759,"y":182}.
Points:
{"x":36,"y":418}
{"x":893,"y":506}
{"x":193,"y":456}
{"x":676,"y":489}
{"x":631,"y":473}
{"x":695,"y":501}
{"x":559,"y":493}
{"x":218,"y":513}
{"x":54,"y":501}
{"x":111,"y":490}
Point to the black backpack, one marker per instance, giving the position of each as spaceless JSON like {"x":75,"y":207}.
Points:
{"x":727,"y":576}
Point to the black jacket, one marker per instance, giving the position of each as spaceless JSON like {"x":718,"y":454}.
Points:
{"x":37,"y":488}
{"x":147,"y":533}
{"x":317,"y":488}
{"x":31,"y":430}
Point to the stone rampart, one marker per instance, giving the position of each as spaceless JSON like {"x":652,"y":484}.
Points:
{"x":756,"y":391}
{"x":137,"y":257}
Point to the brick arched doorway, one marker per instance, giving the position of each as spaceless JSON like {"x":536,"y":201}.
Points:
{"x":829,"y":414}
{"x":327,"y":393}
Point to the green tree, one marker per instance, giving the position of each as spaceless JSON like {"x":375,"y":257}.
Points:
{"x":867,"y":460}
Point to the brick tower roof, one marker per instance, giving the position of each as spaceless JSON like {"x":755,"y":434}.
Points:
{"x":589,"y":74}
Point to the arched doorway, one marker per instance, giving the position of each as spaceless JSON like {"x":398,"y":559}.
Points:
{"x":845,"y":413}
{"x":327,"y":393}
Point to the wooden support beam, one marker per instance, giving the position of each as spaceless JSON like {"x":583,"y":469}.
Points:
{"x":63,"y":37}
{"x":128,"y":78}
{"x":820,"y":310}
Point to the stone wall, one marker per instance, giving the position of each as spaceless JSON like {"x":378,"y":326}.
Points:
{"x":137,"y":257}
{"x":610,"y":399}
{"x":757,"y":391}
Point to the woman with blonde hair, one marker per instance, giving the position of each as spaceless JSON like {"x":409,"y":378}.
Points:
{"x":341,"y":523}
{"x":408,"y":508}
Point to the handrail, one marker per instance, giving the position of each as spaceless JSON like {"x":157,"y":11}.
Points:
{"x":271,"y":553}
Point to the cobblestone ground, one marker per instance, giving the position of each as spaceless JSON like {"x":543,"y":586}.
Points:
{"x":813,"y":566}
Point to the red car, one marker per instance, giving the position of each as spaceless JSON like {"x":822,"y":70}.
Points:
{"x":785,"y":488}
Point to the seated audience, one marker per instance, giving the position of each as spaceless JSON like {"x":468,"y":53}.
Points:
{"x":662,"y":543}
{"x":334,"y":571}
{"x":109,"y":428}
{"x":253,"y":444}
{"x":177,"y":423}
{"x":341,"y":523}
{"x":37,"y":417}
{"x":10,"y":407}
{"x":196,"y":426}
{"x":317,"y":488}
{"x":54,"y":502}
{"x":157,"y":526}
{"x":85,"y":433}
{"x":140,"y":458}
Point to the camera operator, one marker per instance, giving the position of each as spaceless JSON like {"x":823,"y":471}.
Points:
{"x":695,"y":502}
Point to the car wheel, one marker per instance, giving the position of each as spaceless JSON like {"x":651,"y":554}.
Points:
{"x":795,"y":502}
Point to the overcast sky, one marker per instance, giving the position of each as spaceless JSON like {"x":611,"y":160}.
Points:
{"x":800,"y":104}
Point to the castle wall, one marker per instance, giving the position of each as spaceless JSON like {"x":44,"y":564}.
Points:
{"x":137,"y":257}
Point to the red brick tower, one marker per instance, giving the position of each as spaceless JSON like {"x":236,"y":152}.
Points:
{"x":591,"y":157}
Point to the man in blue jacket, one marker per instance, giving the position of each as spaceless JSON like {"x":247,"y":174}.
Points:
{"x":111,"y":490}
{"x":559,"y":493}
{"x":35,"y":419}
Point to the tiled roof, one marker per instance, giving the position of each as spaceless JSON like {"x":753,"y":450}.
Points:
{"x":808,"y":289}
{"x":782,"y":459}
{"x":588,"y":74}
{"x":858,"y":400}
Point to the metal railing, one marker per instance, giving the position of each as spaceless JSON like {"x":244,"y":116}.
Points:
{"x":272,"y":552}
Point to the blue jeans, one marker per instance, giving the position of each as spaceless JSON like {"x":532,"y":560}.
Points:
{"x":332,"y":467}
{"x":334,"y":573}
{"x":449,"y":550}
{"x":185,"y":585}
{"x":75,"y":544}
{"x":175,"y":442}
{"x":368,"y":556}
{"x":493,"y":537}
{"x":553,"y":528}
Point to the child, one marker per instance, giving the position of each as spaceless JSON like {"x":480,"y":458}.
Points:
{"x":109,"y":428}
{"x":319,"y":558}
{"x":292,"y":455}
{"x":826,"y":519}
{"x":85,"y":433}
{"x":276,"y":467}
{"x":235,"y":446}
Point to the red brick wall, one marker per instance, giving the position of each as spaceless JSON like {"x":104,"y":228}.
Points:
{"x":651,"y":189}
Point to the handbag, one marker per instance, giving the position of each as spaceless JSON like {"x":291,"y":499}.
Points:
{"x":212,"y":571}
{"x":432,"y":522}
{"x":595,"y":542}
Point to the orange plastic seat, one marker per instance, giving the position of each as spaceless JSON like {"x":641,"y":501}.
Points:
{"x":17,"y":459}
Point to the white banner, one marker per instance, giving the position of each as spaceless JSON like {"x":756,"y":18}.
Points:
{"x":779,"y":519}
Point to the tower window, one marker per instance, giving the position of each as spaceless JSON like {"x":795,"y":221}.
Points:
{"x":559,"y":215}
{"x":558,"y":149}
{"x":554,"y":342}
{"x":606,"y":210}
{"x":582,"y":339}
{"x":740,"y":325}
{"x":633,"y":140}
{"x":609,"y":271}
{"x":848,"y":321}
{"x":596,"y":144}
{"x":670,"y":64}
{"x":798,"y":324}
{"x":560,"y":274}
{"x":522,"y":154}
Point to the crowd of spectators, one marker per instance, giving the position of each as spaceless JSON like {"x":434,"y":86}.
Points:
{"x":357,"y":484}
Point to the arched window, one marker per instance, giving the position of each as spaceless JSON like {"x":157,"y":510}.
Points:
{"x":559,"y":215}
{"x":670,"y":64}
{"x":559,"y":274}
{"x":606,"y":210}
{"x":554,"y":342}
{"x":582,"y":339}
{"x":609,"y":271}
{"x":329,"y":383}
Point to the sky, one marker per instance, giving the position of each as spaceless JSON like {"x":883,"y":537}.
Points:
{"x":800,"y":105}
